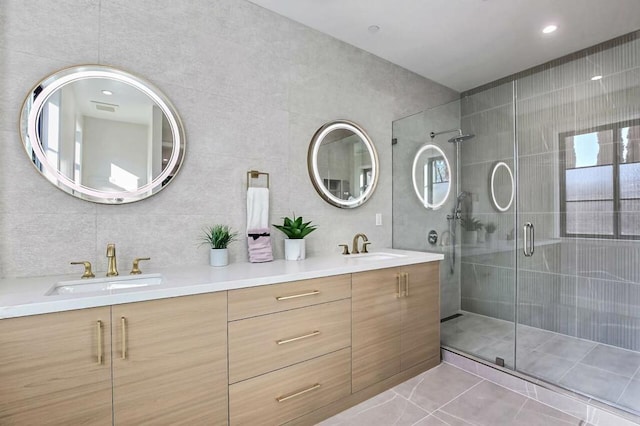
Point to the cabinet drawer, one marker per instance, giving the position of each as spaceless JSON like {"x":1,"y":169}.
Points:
{"x":262,"y":344}
{"x":251,"y":302}
{"x":283,"y":395}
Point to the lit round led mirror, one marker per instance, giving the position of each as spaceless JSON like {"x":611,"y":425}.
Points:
{"x":502,"y":186}
{"x":431,"y":176}
{"x":343,"y":164}
{"x":102,"y":134}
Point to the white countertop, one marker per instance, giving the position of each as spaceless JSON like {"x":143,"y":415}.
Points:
{"x":27,"y":296}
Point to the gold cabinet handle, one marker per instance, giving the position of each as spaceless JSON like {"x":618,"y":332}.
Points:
{"x":399,"y":282}
{"x":299,"y":393}
{"x":406,"y":284}
{"x":295,"y":296}
{"x":123,"y":321}
{"x":294,"y":339}
{"x":99,"y":335}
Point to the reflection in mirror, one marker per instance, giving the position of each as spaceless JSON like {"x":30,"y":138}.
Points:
{"x":102,"y":134}
{"x":343,"y":164}
{"x":431,"y":176}
{"x":502,"y":186}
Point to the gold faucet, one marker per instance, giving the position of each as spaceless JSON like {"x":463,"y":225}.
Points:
{"x":135,"y":270}
{"x":112,"y":269}
{"x":354,"y":249}
{"x":87,"y":268}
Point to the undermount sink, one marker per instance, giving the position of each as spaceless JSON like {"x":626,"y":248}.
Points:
{"x":105,"y":284}
{"x":376,"y":256}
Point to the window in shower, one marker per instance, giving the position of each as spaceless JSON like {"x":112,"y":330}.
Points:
{"x":600,"y":182}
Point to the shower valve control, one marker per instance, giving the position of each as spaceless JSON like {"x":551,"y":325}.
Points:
{"x":432,"y":237}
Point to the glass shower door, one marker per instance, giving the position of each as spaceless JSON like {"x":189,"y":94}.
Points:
{"x":578,"y":281}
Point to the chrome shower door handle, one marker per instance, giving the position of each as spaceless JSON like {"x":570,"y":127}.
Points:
{"x":528,"y":234}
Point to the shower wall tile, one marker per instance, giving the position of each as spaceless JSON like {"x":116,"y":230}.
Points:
{"x":624,"y":56}
{"x":493,"y":130}
{"x":542,"y":118}
{"x":488,"y":290}
{"x":487,"y":99}
{"x":539,"y":184}
{"x":551,"y":78}
{"x":612,"y":99}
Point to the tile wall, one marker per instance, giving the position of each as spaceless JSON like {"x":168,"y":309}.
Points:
{"x":251,"y":86}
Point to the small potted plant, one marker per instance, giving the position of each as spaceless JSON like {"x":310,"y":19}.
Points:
{"x":218,"y":237}
{"x":471,"y":226}
{"x":490,"y":228}
{"x":295,"y":230}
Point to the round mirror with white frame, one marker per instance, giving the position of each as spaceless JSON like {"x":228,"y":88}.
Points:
{"x":343,"y":164}
{"x":102,"y":134}
{"x":431,"y":174}
{"x":502,"y":186}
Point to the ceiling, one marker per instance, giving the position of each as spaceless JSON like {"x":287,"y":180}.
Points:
{"x":465,"y":43}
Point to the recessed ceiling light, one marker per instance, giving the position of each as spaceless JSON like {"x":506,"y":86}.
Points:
{"x":373,"y":29}
{"x":596,"y":77}
{"x":549,"y":29}
{"x":107,"y":92}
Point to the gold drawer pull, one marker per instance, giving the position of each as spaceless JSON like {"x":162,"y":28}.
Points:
{"x":406,"y":284}
{"x":302,"y":392}
{"x":399,"y":280}
{"x":295,"y":296}
{"x":123,"y":321}
{"x":293,"y":339}
{"x":99,"y":328}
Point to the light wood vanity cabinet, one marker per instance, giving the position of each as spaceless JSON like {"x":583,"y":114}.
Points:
{"x":395,"y":321}
{"x":55,"y":369}
{"x":294,"y":353}
{"x":291,"y":351}
{"x":168,"y":367}
{"x":170,"y":361}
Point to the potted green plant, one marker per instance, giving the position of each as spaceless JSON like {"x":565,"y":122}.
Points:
{"x":490,"y":228}
{"x":218,"y":237}
{"x":295,"y":230}
{"x":471,"y":225}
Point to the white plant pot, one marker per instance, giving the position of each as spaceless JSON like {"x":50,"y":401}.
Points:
{"x":219,"y":257}
{"x":481,"y":235}
{"x":470,"y":237}
{"x":489,"y":237}
{"x":294,"y":249}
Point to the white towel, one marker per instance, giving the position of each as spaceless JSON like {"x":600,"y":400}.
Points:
{"x":258,"y":238}
{"x":257,"y":208}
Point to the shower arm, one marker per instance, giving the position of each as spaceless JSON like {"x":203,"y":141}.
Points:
{"x":434,"y":134}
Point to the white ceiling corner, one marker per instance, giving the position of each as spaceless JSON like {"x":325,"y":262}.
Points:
{"x":463,"y":44}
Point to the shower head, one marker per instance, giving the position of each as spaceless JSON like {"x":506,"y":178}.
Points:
{"x":460,"y":138}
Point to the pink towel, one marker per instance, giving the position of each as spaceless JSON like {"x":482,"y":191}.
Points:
{"x":259,"y":242}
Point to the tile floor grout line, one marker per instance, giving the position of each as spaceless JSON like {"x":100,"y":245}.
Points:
{"x":454,"y":416}
{"x":376,"y":405}
{"x":416,"y":386}
{"x":453,"y":399}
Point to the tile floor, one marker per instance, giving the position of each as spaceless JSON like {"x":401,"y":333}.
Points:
{"x":447,"y":395}
{"x":604,"y":372}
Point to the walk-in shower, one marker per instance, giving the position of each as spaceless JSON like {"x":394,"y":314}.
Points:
{"x":554,"y":149}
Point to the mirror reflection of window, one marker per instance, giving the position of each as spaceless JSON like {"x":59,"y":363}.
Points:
{"x":437,"y":179}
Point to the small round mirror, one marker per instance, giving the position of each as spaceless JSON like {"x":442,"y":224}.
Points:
{"x":343,"y":164}
{"x":431,"y":176}
{"x":502,"y":186}
{"x":102,"y":134}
